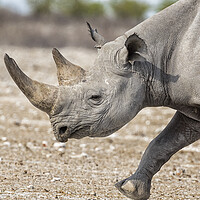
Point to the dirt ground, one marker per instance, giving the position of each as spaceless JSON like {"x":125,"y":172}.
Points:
{"x":33,"y":165}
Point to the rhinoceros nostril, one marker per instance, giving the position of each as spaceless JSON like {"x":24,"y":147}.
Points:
{"x":62,"y":130}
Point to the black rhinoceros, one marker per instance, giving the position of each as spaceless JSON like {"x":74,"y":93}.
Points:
{"x":157,"y":63}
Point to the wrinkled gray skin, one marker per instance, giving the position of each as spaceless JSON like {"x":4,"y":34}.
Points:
{"x":157,"y":63}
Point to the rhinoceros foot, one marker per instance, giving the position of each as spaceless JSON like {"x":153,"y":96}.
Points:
{"x":135,"y":188}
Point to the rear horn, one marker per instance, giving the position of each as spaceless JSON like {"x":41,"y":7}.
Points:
{"x":67,"y":73}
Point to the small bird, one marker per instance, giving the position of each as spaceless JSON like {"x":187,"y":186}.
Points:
{"x":96,"y":37}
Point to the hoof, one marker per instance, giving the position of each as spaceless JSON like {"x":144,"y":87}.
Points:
{"x":128,"y":186}
{"x":134,"y":188}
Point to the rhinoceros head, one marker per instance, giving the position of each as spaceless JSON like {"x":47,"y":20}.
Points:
{"x":91,"y":103}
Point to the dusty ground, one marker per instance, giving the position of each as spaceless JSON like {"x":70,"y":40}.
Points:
{"x":34,"y":166}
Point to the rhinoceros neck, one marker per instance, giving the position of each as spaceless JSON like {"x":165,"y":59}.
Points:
{"x":156,"y":84}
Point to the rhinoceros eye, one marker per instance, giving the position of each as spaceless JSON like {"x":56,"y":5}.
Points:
{"x":95,"y":97}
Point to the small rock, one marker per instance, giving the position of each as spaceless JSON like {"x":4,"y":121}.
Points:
{"x":17,"y":123}
{"x":4,"y":138}
{"x":29,"y":145}
{"x":112,"y":147}
{"x":55,"y":179}
{"x":44,"y":143}
{"x":61,"y":150}
{"x":58,"y":145}
{"x":147,"y":122}
{"x":180,"y":172}
{"x":97,"y":149}
{"x":79,"y":155}
{"x":82,"y":145}
{"x":30,"y":187}
{"x":6,"y":144}
{"x":48,"y":155}
{"x":2,"y":118}
{"x":95,"y":194}
{"x":20,"y":145}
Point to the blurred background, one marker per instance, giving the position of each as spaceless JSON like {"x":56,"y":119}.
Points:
{"x":60,"y":23}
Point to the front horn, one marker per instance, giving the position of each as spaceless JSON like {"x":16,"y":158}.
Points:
{"x":39,"y":94}
{"x":67,"y":72}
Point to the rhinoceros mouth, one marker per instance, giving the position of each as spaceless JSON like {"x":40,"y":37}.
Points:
{"x":63,"y":133}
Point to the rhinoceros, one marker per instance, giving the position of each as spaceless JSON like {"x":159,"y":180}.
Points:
{"x":156,"y":63}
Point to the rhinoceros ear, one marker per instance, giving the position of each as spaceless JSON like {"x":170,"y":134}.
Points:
{"x":135,"y":44}
{"x":133,"y":51}
{"x":136,"y":47}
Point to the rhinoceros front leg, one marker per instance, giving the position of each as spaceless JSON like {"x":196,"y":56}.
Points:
{"x":180,"y":132}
